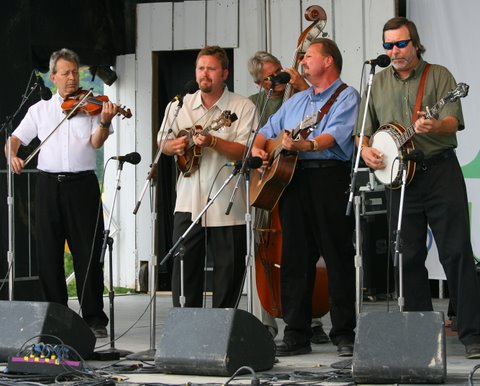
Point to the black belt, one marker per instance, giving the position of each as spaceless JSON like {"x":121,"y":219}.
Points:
{"x":65,"y":177}
{"x":438,"y":158}
{"x":322,"y":163}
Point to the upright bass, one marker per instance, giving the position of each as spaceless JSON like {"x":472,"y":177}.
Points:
{"x":269,"y":237}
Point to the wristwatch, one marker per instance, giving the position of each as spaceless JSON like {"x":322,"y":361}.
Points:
{"x":105,"y":125}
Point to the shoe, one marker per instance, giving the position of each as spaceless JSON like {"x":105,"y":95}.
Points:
{"x":345,"y":348}
{"x":99,"y":331}
{"x":319,"y":336}
{"x":285,"y":349}
{"x":472,"y":351}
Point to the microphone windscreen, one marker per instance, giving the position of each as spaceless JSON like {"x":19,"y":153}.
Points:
{"x":282,"y":77}
{"x":45,"y":93}
{"x":190,"y":87}
{"x":133,"y":158}
{"x":383,"y":60}
{"x":255,"y":162}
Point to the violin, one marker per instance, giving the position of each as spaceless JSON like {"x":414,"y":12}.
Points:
{"x":91,"y":105}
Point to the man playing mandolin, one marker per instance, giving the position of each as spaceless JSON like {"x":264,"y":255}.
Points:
{"x":222,"y":236}
{"x":312,"y":207}
{"x":436,"y":196}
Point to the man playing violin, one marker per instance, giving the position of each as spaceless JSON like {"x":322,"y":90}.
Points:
{"x":222,"y":236}
{"x":68,"y":205}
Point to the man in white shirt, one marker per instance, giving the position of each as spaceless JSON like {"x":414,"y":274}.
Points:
{"x":67,"y":202}
{"x":225,"y":234}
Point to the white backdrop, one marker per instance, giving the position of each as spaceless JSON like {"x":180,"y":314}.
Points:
{"x":448,"y":30}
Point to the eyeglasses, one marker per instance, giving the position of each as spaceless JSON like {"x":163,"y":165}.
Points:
{"x":399,"y":44}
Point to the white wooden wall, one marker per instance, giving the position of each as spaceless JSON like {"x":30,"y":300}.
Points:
{"x":246,"y":26}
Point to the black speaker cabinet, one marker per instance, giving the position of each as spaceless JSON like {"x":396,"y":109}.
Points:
{"x":400,"y":347}
{"x":378,"y":271}
{"x":211,"y":341}
{"x":24,"y":288}
{"x":25,"y":322}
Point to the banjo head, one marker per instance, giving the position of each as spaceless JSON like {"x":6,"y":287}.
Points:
{"x":386,"y":140}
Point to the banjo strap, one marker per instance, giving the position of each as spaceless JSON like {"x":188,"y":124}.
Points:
{"x":421,"y":88}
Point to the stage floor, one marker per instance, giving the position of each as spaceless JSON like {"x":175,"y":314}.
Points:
{"x":321,"y":367}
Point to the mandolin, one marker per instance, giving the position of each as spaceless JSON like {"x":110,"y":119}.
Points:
{"x":190,"y":161}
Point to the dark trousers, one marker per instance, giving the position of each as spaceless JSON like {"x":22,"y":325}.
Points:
{"x":437,"y":197}
{"x":226,"y":246}
{"x":70,"y":210}
{"x":312,"y":212}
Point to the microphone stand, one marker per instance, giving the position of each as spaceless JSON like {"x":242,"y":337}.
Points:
{"x":398,"y":258}
{"x":197,"y":219}
{"x":7,"y":127}
{"x":153,"y":167}
{"x":149,"y":354}
{"x":358,"y":238}
{"x":245,"y":170}
{"x":112,"y":353}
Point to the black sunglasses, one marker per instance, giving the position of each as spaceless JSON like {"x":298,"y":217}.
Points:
{"x":399,"y":44}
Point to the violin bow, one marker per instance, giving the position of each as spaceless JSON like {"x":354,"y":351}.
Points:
{"x":70,"y":114}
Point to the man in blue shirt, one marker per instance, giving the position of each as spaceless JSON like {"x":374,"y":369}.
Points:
{"x":312,"y":207}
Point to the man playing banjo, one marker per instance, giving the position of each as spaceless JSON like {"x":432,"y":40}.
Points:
{"x":436,"y":195}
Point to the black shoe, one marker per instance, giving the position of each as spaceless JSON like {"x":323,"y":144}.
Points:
{"x":472,"y":351}
{"x":345,"y":348}
{"x":99,"y":331}
{"x":319,"y":336}
{"x":285,"y":349}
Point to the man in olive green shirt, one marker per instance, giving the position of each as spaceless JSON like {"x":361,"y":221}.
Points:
{"x":436,"y":195}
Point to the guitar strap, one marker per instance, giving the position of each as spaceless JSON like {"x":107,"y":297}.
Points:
{"x":421,"y":88}
{"x":326,"y":107}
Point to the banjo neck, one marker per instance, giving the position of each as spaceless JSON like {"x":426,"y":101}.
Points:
{"x":431,"y":113}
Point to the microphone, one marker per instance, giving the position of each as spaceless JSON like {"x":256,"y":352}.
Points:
{"x":415,"y":156}
{"x":189,"y":88}
{"x":280,"y":78}
{"x":252,"y":163}
{"x":132,"y":158}
{"x":45,"y":92}
{"x":381,"y":61}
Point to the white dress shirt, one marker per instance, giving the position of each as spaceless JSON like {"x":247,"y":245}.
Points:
{"x":69,"y":148}
{"x":193,"y":192}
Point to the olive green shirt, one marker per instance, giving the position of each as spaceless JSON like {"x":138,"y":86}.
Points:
{"x":272,"y":106}
{"x":392,"y":99}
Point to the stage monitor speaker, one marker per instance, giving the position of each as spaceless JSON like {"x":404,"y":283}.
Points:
{"x":400,"y":347}
{"x":26,"y":323}
{"x":213,"y":341}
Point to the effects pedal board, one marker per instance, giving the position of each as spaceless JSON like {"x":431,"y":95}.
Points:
{"x":44,"y":366}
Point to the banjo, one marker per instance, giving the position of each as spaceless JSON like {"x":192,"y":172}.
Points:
{"x":395,"y":141}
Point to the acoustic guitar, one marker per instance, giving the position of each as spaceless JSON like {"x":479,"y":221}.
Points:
{"x":190,"y":161}
{"x":267,"y":186}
